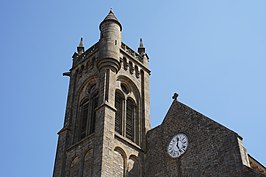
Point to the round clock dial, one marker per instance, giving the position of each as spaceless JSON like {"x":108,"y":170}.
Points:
{"x":178,"y":145}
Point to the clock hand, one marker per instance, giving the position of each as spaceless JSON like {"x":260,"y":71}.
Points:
{"x":179,"y":145}
{"x":177,"y":140}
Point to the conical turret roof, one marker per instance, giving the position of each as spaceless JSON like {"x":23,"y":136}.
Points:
{"x":111,"y":17}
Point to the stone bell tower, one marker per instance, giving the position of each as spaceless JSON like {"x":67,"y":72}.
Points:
{"x":107,"y":113}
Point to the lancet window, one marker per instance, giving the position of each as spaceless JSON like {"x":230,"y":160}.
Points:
{"x":87,"y":114}
{"x":119,"y":100}
{"x":130,"y":119}
{"x":126,"y":114}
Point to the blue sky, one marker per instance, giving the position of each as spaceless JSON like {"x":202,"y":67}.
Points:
{"x":211,"y":52}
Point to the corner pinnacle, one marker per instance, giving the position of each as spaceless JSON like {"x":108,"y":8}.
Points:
{"x":141,"y":49}
{"x":140,"y":43}
{"x":81,"y":42}
{"x":80,"y":48}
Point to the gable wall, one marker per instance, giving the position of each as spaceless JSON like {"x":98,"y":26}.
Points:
{"x":213,"y":149}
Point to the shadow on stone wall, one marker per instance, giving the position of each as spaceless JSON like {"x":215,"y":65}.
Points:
{"x":133,"y":167}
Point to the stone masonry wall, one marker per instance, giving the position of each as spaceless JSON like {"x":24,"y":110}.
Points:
{"x":213,"y":149}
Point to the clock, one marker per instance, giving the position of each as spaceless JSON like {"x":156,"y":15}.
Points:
{"x":178,"y":145}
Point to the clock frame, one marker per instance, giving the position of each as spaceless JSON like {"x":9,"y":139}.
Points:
{"x":178,"y":145}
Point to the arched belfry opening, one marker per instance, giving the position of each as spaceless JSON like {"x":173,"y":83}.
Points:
{"x":86,"y":111}
{"x":127,"y":104}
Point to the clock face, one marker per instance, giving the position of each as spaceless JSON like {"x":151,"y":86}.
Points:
{"x":178,"y":145}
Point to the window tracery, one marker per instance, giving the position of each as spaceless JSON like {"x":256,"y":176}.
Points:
{"x":126,"y":113}
{"x":87,"y":112}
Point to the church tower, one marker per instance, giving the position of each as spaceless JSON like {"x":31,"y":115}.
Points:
{"x":107,"y":112}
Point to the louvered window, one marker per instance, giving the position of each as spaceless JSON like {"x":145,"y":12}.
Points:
{"x":130,"y":116}
{"x":118,"y":115}
{"x":126,"y":119}
{"x":88,"y":117}
{"x":85,"y":109}
{"x":93,"y":114}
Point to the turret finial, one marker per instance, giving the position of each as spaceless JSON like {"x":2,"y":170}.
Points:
{"x":80,"y":48}
{"x":141,"y":49}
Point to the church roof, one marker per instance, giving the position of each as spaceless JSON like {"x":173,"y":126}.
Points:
{"x":179,"y":110}
{"x":111,"y":17}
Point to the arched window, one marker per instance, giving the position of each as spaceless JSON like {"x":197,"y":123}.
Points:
{"x":126,"y":115}
{"x":88,"y":163}
{"x":74,"y":167}
{"x":119,"y":167}
{"x":88,"y":116}
{"x":130,"y":119}
{"x":119,"y":112}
